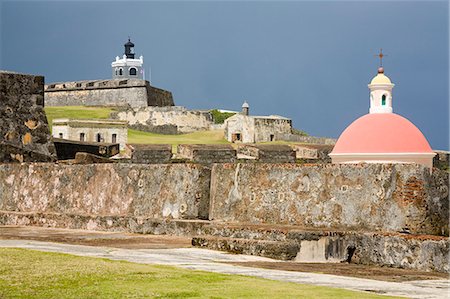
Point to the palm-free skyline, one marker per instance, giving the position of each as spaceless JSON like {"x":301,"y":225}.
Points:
{"x":310,"y":61}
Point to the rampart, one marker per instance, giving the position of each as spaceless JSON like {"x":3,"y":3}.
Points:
{"x":115,"y":93}
{"x":306,"y":139}
{"x":165,"y":120}
{"x":386,"y":198}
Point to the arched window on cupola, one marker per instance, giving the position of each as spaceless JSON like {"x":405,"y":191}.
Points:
{"x":120,"y":72}
{"x":132,"y":71}
{"x":383,"y":100}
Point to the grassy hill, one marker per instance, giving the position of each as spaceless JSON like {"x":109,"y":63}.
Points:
{"x":134,"y":136}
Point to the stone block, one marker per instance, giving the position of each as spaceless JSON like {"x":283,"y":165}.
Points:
{"x":150,"y":153}
{"x":207,"y":153}
{"x":268,"y":153}
{"x":313,"y":153}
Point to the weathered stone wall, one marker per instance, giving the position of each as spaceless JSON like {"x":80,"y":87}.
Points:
{"x":166,"y":120}
{"x":118,"y":93}
{"x":24,"y":131}
{"x":179,"y":191}
{"x":270,"y":128}
{"x":381,"y":197}
{"x":442,"y":160}
{"x":306,"y":139}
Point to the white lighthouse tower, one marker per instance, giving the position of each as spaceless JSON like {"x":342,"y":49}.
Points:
{"x":128,"y":67}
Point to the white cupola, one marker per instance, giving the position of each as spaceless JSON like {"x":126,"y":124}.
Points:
{"x":380,"y":93}
{"x":128,"y":67}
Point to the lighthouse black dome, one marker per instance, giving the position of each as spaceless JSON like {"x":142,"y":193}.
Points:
{"x":129,"y":52}
{"x":129,"y":44}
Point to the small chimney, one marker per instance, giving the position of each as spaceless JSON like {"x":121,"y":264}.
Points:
{"x":245,"y":108}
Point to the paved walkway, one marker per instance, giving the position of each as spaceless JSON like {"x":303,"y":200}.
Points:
{"x":213,"y":261}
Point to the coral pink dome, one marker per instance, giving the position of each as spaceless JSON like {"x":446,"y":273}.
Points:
{"x":382,"y":133}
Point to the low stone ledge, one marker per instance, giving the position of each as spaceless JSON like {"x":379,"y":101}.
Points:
{"x":271,"y":249}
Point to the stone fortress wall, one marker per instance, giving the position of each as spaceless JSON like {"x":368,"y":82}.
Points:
{"x":166,"y":120}
{"x":112,"y":93}
{"x":396,"y":198}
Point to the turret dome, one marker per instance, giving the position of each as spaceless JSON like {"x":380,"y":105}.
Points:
{"x":381,"y":78}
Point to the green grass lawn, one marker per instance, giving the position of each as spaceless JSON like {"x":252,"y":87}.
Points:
{"x":76,"y":112}
{"x":33,"y":274}
{"x":202,"y":137}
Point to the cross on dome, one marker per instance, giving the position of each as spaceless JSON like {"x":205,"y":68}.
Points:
{"x":381,"y":55}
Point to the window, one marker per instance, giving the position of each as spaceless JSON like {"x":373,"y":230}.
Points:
{"x":114,"y":138}
{"x":81,"y":136}
{"x":116,"y":72}
{"x":383,"y":100}
{"x":99,"y":137}
{"x":272,"y":137}
{"x":132,"y":71}
{"x":120,"y":72}
{"x":60,"y":135}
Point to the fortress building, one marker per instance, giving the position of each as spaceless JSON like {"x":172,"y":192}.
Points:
{"x":128,"y":67}
{"x":382,"y":136}
{"x":127,"y":88}
{"x":246,"y":128}
{"x":91,"y":130}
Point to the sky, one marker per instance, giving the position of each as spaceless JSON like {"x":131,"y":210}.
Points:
{"x":310,"y":61}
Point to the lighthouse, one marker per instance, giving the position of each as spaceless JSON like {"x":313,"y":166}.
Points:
{"x":128,"y":67}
